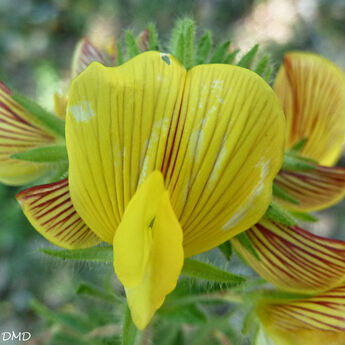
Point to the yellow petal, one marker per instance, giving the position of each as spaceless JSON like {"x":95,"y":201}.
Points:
{"x":120,"y":126}
{"x":230,"y":145}
{"x":60,"y":105}
{"x":318,"y":320}
{"x":19,"y":132}
{"x":314,"y":189}
{"x":312,"y":92}
{"x":294,"y":259}
{"x":50,"y":211}
{"x":218,"y":149}
{"x":148,"y":251}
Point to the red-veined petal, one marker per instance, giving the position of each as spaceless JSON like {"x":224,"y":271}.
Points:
{"x":294,"y":259}
{"x":51,"y":212}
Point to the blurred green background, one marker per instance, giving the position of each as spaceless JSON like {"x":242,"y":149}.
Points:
{"x":37,"y":38}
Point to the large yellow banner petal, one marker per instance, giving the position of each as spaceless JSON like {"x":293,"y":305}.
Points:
{"x":19,"y":132}
{"x":294,"y":259}
{"x":318,"y":320}
{"x":50,"y":211}
{"x":312,"y":93}
{"x":229,"y":148}
{"x":120,"y":127}
{"x":148,"y":250}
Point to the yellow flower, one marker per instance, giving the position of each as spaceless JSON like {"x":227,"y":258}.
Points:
{"x":164,"y":164}
{"x":312,"y":92}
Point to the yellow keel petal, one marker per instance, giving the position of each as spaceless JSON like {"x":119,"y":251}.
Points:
{"x":148,"y":251}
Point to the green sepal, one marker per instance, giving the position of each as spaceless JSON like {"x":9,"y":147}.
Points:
{"x":201,"y":270}
{"x":246,"y":243}
{"x":280,"y":193}
{"x":297,"y":163}
{"x":248,"y":58}
{"x":268,"y":74}
{"x":226,"y":249}
{"x":304,"y":216}
{"x":132,"y":47}
{"x":52,"y":122}
{"x":119,"y":54}
{"x":129,"y":331}
{"x":95,"y":254}
{"x":220,"y":52}
{"x":280,"y":214}
{"x":231,"y":57}
{"x":177,"y":41}
{"x":189,"y":37}
{"x":153,"y":37}
{"x":44,"y":154}
{"x":95,"y":292}
{"x":299,"y":145}
{"x":261,"y":66}
{"x":204,"y":48}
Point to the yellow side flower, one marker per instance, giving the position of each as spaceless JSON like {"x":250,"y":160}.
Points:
{"x":20,"y":131}
{"x":311,"y":90}
{"x":164,"y":164}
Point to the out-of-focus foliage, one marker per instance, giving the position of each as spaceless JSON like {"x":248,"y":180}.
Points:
{"x":37,"y":38}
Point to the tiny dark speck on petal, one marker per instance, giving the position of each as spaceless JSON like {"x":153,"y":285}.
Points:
{"x":166,"y":59}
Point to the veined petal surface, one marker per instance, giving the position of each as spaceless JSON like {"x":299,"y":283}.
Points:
{"x":120,"y":127}
{"x":215,"y":133}
{"x":312,"y":92}
{"x":148,"y":249}
{"x":314,"y":189}
{"x":50,"y":211}
{"x":230,"y":140}
{"x":318,"y":320}
{"x":294,"y":259}
{"x":19,"y":132}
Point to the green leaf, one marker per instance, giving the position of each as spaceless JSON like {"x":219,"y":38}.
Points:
{"x":280,"y":214}
{"x":204,"y":48}
{"x":304,"y":216}
{"x":129,"y":331}
{"x":92,"y":291}
{"x":296,"y":163}
{"x":153,"y":37}
{"x":261,"y":66}
{"x":201,"y":270}
{"x":52,"y":122}
{"x":187,"y":313}
{"x":248,"y":58}
{"x":95,"y":254}
{"x":246,"y":243}
{"x":226,"y":249}
{"x":132,"y":47}
{"x":282,"y":194}
{"x":45,"y":154}
{"x":220,"y":52}
{"x":231,"y":57}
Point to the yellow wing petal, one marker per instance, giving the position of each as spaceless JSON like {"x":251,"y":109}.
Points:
{"x":19,"y":132}
{"x":120,"y":126}
{"x":148,"y":251}
{"x":318,"y":320}
{"x":294,"y":259}
{"x":50,"y":211}
{"x":228,"y":149}
{"x":314,"y":189}
{"x":312,"y":92}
